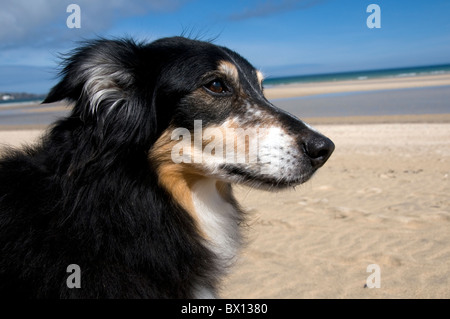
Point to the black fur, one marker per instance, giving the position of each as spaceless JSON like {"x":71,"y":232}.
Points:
{"x":87,"y":193}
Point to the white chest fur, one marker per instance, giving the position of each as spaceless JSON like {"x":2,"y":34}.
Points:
{"x":218,"y":219}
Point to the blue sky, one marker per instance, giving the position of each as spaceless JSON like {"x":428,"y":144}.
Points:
{"x":281,"y":37}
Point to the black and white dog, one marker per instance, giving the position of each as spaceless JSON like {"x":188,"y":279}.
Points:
{"x":111,"y":189}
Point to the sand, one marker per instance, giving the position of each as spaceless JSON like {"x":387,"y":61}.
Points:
{"x":383,"y":198}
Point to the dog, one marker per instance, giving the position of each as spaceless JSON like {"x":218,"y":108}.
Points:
{"x":127,"y":190}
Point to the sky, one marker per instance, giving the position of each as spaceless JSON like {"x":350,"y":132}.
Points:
{"x":280,"y":37}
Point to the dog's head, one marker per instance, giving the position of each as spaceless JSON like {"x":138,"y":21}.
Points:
{"x":198,"y":108}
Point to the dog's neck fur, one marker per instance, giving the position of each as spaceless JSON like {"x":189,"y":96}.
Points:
{"x":216,"y":213}
{"x":208,"y":201}
{"x":218,"y":217}
{"x":213,"y":208}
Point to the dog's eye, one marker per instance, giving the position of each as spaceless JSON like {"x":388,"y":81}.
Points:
{"x":217,"y":87}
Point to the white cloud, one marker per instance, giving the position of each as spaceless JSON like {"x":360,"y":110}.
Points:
{"x":38,"y":22}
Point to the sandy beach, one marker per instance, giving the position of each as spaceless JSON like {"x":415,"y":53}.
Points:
{"x":383,"y":198}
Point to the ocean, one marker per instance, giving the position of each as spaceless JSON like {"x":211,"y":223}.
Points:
{"x":8,"y":102}
{"x":360,"y":75}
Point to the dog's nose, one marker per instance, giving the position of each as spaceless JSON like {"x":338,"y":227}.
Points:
{"x":318,"y":148}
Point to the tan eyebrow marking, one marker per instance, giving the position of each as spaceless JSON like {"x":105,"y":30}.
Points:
{"x":229,"y":69}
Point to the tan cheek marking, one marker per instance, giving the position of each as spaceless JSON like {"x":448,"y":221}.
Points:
{"x":177,"y":179}
{"x":236,"y":137}
{"x":228,"y":140}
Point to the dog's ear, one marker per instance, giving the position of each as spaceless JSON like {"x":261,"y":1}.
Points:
{"x":98,"y":74}
{"x":104,"y":78}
